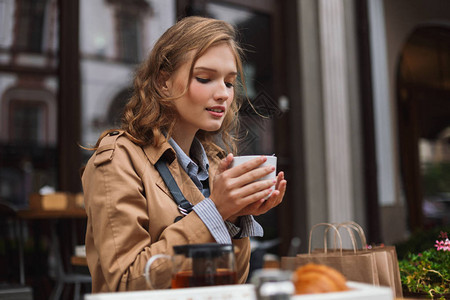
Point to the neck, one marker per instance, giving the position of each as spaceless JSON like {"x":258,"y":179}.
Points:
{"x":184,"y":141}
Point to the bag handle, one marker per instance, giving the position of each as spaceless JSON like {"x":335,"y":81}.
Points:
{"x":349,"y":225}
{"x":350,"y":233}
{"x":329,"y":225}
{"x":356,"y":227}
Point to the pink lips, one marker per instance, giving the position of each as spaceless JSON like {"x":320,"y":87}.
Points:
{"x":216,"y":111}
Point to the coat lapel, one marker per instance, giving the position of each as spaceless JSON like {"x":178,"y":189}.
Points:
{"x":186,"y":185}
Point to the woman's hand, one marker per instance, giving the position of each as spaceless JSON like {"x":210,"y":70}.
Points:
{"x":235,"y":191}
{"x":263,"y":206}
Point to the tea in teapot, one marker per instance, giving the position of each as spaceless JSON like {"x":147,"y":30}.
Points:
{"x":197,"y":265}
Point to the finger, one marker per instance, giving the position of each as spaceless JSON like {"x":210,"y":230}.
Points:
{"x":277,"y":196}
{"x":255,"y":197}
{"x":248,"y":166}
{"x":225,"y":163}
{"x":280,"y":177}
{"x":282,"y":187}
{"x":280,"y":192}
{"x":262,"y":206}
{"x":255,"y":175}
{"x":255,"y":187}
{"x":252,"y":208}
{"x":271,"y":201}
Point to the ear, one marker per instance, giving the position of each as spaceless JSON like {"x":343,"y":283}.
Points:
{"x":164,"y":82}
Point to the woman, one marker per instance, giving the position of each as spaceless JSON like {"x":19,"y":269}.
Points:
{"x":184,"y":98}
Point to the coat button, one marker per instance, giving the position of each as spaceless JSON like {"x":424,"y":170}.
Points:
{"x":114,"y":133}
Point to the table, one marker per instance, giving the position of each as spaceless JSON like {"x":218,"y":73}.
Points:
{"x":245,"y":292}
{"x":39,"y":214}
{"x":70,"y":213}
{"x":78,"y":261}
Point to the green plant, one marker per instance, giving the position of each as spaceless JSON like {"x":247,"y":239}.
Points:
{"x":419,"y":241}
{"x":436,"y":178}
{"x":429,"y":271}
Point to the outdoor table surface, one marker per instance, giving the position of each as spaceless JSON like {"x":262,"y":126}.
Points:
{"x":78,"y":260}
{"x":69,"y":213}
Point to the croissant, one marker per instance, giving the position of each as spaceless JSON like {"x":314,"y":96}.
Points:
{"x":314,"y":278}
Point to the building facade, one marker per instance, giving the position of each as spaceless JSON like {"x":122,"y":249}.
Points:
{"x":355,"y":95}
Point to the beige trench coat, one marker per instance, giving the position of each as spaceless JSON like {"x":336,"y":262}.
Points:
{"x":131,"y":214}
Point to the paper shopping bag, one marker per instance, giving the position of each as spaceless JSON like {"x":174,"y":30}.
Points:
{"x":388,"y":265}
{"x":359,"y":267}
{"x":385,"y":257}
{"x":354,"y":265}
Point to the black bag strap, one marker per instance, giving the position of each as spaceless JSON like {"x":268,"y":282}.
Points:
{"x":183,"y":205}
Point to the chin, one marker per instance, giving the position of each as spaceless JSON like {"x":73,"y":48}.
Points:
{"x":212,"y":128}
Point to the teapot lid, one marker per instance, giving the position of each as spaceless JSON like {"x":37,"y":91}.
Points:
{"x":203,"y":250}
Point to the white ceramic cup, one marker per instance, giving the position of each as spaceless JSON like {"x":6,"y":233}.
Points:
{"x":271,"y":161}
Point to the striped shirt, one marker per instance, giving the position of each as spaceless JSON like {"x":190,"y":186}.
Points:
{"x":222,"y":231}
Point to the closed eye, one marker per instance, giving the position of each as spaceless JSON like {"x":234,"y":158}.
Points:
{"x":202,"y":80}
{"x":229,"y":84}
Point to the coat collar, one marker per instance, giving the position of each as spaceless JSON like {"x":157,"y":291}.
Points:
{"x":154,"y":153}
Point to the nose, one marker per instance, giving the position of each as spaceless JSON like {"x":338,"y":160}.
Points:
{"x":222,"y":93}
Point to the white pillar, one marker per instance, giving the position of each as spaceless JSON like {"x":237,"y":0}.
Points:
{"x":312,"y":116}
{"x":381,"y":101}
{"x":336,"y":110}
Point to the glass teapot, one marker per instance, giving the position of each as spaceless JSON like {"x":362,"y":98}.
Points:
{"x":193,"y":266}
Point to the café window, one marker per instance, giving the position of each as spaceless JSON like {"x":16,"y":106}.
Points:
{"x":29,"y":116}
{"x":128,"y":36}
{"x":28,"y":121}
{"x":128,"y":26}
{"x":424,"y":125}
{"x":30,"y":25}
{"x":28,"y":154}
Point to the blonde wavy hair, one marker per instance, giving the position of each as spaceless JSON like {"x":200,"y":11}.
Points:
{"x":149,"y":112}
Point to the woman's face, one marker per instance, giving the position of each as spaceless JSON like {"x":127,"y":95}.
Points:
{"x":210,"y":92}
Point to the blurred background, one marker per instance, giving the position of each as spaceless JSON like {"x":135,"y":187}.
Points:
{"x":357,"y":94}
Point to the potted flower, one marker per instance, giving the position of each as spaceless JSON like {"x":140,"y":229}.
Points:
{"x":428,"y":273}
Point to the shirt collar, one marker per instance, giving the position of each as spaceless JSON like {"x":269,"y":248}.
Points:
{"x":197,"y":151}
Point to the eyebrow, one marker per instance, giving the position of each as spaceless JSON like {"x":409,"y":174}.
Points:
{"x":213,"y":70}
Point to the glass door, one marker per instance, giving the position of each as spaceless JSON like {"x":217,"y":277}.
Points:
{"x":261,"y":118}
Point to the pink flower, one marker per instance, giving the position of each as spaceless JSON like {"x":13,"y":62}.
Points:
{"x":443,"y":235}
{"x":446,"y":245}
{"x":438,"y":245}
{"x":441,"y":245}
